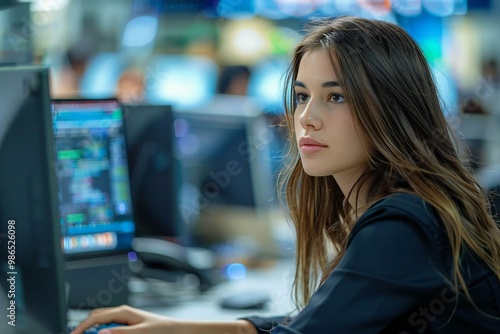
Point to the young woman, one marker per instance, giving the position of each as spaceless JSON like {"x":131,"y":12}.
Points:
{"x":393,"y":233}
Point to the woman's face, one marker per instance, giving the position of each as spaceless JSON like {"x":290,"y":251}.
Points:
{"x":327,"y":140}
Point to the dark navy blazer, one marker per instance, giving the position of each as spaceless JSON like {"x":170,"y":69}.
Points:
{"x":394,"y":279}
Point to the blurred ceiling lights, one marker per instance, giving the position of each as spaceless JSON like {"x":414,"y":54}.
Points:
{"x":47,"y":5}
{"x":281,"y":9}
{"x":140,"y":31}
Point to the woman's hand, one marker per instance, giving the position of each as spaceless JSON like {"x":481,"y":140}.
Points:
{"x":140,"y":322}
{"x":137,"y":321}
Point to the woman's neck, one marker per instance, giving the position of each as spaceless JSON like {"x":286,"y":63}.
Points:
{"x":355,"y":192}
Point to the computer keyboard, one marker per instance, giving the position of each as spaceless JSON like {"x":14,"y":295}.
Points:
{"x":96,"y":329}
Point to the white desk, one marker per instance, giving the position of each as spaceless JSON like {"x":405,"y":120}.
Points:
{"x":275,"y":280}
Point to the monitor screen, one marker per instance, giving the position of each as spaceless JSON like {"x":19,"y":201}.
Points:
{"x":228,"y":189}
{"x":95,"y":202}
{"x":214,"y":153}
{"x":31,"y":274}
{"x":224,"y":150}
{"x":153,"y":171}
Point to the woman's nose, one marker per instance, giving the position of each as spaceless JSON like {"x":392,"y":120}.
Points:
{"x":309,"y":118}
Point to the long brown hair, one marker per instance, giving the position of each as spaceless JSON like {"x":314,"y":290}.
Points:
{"x":396,"y":110}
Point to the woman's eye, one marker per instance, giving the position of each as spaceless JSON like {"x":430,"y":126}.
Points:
{"x":337,"y":98}
{"x":301,"y":98}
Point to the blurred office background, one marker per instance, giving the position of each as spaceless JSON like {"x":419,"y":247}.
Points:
{"x":227,"y":57}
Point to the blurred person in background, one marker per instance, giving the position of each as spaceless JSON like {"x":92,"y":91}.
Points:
{"x":489,"y":89}
{"x":130,"y":86}
{"x":490,"y":72}
{"x":233,"y":80}
{"x":75,"y":60}
{"x":394,"y":235}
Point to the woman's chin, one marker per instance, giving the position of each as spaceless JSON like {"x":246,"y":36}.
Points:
{"x":317,"y":172}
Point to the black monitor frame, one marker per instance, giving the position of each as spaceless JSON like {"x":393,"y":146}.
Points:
{"x":28,"y":196}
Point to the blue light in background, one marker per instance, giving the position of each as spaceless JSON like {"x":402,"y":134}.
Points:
{"x":439,"y":8}
{"x":102,"y":74}
{"x":232,"y":9}
{"x":185,"y":82}
{"x":266,"y":83}
{"x":140,"y":31}
{"x":132,"y":256}
{"x":269,"y":9}
{"x":235,"y":271}
{"x":428,"y":30}
{"x":407,"y":7}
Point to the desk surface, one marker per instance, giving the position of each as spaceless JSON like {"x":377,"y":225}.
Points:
{"x":275,"y":280}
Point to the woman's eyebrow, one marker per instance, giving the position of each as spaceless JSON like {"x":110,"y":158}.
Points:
{"x":325,"y":84}
{"x":330,"y":84}
{"x":299,"y":84}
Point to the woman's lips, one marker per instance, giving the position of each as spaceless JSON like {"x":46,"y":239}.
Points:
{"x":308,"y":145}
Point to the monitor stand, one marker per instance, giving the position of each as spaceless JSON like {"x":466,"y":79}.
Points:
{"x":98,"y":282}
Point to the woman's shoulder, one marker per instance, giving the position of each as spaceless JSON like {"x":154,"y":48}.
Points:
{"x":401,"y":200}
{"x":400,"y":212}
{"x":408,"y":205}
{"x":400,"y":208}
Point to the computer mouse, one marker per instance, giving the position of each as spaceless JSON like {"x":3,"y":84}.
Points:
{"x":245,"y":301}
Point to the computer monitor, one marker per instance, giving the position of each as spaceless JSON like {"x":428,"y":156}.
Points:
{"x":215,"y":154}
{"x":154,"y":171}
{"x":228,"y":187}
{"x":95,"y":203}
{"x":30,"y":255}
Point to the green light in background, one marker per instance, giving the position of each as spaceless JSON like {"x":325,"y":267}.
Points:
{"x":283,"y":40}
{"x":117,"y":114}
{"x":74,"y":218}
{"x":432,"y":49}
{"x":69,"y":154}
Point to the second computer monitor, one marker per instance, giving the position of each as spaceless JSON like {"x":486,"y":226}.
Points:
{"x":228,"y":189}
{"x":95,"y":203}
{"x":94,"y":191}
